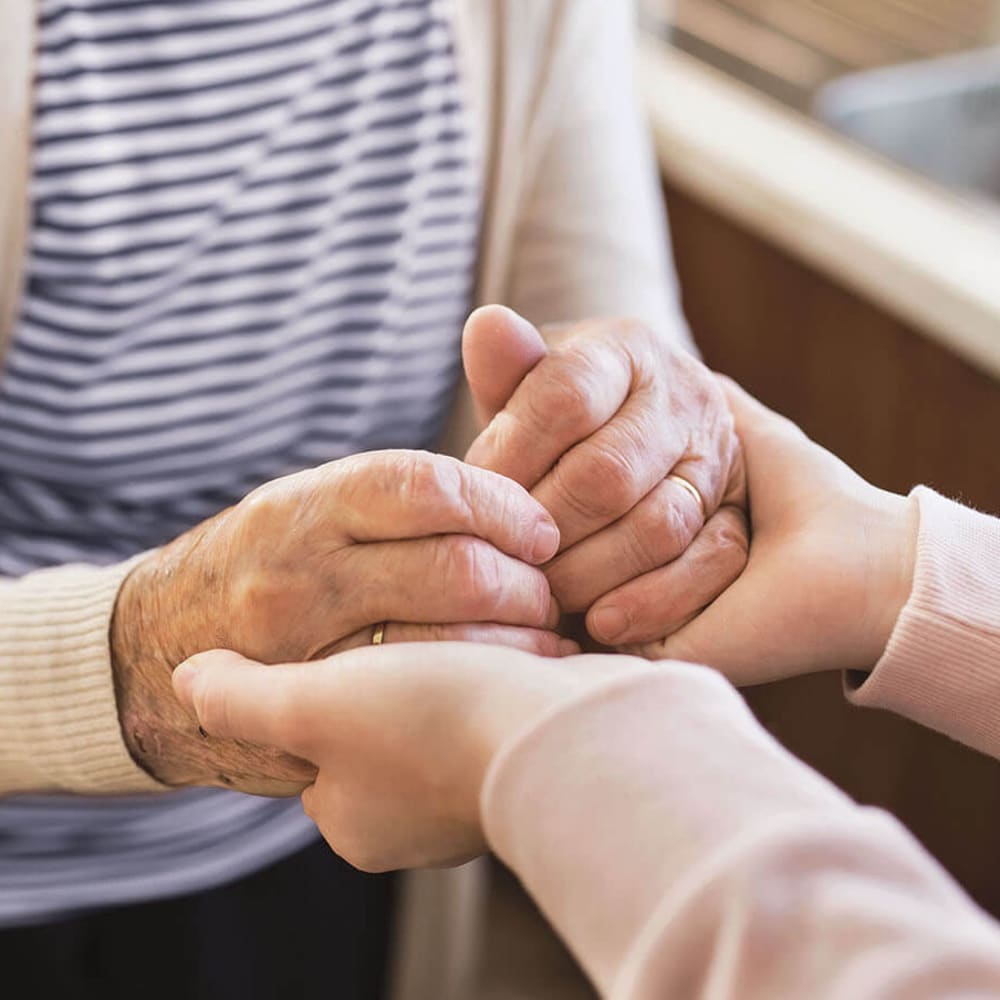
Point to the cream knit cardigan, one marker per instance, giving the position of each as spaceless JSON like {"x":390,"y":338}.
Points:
{"x":573,"y":227}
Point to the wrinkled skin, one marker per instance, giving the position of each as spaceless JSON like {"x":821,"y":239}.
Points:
{"x":306,"y":566}
{"x":592,"y":419}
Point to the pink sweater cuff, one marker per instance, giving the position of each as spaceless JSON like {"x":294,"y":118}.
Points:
{"x":942,"y":665}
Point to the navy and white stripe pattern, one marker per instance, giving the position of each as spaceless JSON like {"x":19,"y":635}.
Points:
{"x":255,"y":223}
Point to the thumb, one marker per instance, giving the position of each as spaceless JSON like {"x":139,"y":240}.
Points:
{"x":499,"y":348}
{"x":740,"y":633}
{"x":239,"y":699}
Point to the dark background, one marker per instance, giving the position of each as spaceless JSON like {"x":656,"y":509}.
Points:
{"x":902,"y":410}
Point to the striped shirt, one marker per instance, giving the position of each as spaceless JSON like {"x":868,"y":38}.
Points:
{"x":254,"y":229}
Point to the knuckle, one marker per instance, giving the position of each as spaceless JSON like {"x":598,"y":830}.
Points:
{"x":264,"y":598}
{"x":264,"y":511}
{"x":615,"y":470}
{"x":649,"y":349}
{"x":430,"y":482}
{"x":607,"y":486}
{"x":648,"y":536}
{"x":678,"y":521}
{"x":464,"y":561}
{"x":730,"y":538}
{"x":481,"y":500}
{"x":353,"y":477}
{"x":568,"y":393}
{"x":254,"y":594}
{"x":677,"y":526}
{"x":643,"y":545}
{"x":473,"y":571}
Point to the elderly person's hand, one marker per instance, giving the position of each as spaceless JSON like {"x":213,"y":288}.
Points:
{"x":310,"y":565}
{"x":402,"y":736}
{"x":831,"y":563}
{"x":628,"y":442}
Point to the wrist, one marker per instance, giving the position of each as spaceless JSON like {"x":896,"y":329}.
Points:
{"x":521,"y":699}
{"x":161,"y":736}
{"x":892,"y":525}
{"x":152,"y":722}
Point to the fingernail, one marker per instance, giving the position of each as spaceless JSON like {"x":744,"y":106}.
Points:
{"x":546,"y":543}
{"x":567,"y":647}
{"x":609,"y":623}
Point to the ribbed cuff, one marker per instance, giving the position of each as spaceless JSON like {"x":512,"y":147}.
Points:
{"x":58,"y":717}
{"x":942,"y":665}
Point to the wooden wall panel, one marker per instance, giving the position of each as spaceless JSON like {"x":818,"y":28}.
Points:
{"x":902,"y":411}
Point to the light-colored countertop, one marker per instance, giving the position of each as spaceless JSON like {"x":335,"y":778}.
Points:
{"x":790,"y":48}
{"x":914,"y":249}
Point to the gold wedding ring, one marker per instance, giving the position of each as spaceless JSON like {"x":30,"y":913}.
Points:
{"x":378,"y":634}
{"x":690,"y":487}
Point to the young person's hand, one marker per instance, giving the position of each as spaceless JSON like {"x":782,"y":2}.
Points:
{"x":401,"y":736}
{"x":831,"y":562}
{"x":626,"y":439}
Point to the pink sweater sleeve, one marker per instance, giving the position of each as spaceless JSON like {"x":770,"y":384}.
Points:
{"x":681,"y":852}
{"x":942,"y":665}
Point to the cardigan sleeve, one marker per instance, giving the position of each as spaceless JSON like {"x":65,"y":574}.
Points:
{"x":58,"y":717}
{"x":591,"y":235}
{"x":942,"y":664}
{"x":680,"y":851}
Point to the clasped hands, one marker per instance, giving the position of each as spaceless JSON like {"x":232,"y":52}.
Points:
{"x":563,"y":505}
{"x":403,"y":737}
